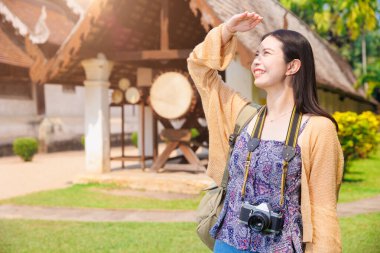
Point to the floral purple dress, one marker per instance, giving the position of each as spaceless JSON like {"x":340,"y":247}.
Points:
{"x":263,"y":185}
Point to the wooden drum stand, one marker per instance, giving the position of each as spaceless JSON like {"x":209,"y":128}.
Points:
{"x":172,"y":97}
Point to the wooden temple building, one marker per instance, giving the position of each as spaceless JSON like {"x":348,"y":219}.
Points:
{"x":60,"y":60}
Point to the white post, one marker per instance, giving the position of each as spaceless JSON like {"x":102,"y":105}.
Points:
{"x":240,"y":78}
{"x":97,"y":139}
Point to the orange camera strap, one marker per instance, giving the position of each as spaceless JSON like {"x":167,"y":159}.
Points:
{"x":288,"y":152}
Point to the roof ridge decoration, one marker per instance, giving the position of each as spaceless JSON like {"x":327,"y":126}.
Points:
{"x":75,"y":7}
{"x":41,"y":32}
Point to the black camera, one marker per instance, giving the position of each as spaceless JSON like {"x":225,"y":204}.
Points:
{"x":261,"y":218}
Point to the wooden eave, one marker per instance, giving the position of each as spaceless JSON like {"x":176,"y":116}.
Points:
{"x":12,"y":51}
{"x":36,"y":53}
{"x":60,"y":19}
{"x":128,"y":33}
{"x":41,"y":72}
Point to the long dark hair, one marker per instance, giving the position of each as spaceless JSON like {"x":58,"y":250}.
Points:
{"x":296,"y":46}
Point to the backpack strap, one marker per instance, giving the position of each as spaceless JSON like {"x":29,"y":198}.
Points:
{"x":245,"y":115}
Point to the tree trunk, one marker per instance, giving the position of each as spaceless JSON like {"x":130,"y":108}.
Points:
{"x":364,"y":60}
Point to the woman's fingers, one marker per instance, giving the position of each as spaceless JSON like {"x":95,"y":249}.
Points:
{"x":256,"y":22}
{"x":241,"y":16}
{"x":244,"y":21}
{"x":252,"y":17}
{"x":251,"y":14}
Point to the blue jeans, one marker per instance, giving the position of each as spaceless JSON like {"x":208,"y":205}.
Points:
{"x":222,"y":247}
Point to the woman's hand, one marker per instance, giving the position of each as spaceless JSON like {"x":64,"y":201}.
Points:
{"x":242,"y":22}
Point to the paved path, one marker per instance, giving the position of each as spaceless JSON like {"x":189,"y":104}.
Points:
{"x":46,"y":172}
{"x":106,"y":215}
{"x":99,"y":215}
{"x":370,"y":205}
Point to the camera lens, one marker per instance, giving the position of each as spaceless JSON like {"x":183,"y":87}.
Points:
{"x":258,"y":222}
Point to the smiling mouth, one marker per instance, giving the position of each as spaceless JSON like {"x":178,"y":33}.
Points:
{"x":258,"y":73}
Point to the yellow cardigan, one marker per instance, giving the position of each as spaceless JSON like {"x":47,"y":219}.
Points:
{"x":322,"y":158}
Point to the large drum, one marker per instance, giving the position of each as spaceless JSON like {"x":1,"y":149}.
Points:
{"x":172,"y":96}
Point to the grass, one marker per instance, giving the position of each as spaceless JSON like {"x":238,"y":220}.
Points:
{"x":359,"y":234}
{"x":362,"y":179}
{"x":19,"y":236}
{"x":89,"y":196}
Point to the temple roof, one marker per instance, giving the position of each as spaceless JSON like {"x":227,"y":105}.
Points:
{"x":11,"y":54}
{"x":124,"y":31}
{"x":25,"y":15}
{"x":130,"y":33}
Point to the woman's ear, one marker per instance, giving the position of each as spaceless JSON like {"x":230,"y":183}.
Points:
{"x":293,"y":67}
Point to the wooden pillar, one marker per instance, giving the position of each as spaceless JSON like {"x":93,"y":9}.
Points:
{"x":164,"y":24}
{"x":38,"y":91}
{"x":43,"y":128}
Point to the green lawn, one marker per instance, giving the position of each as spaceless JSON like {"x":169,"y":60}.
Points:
{"x":360,"y":234}
{"x":362,"y":180}
{"x":19,"y":236}
{"x":89,"y":196}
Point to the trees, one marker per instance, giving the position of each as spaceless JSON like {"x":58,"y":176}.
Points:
{"x":352,"y":26}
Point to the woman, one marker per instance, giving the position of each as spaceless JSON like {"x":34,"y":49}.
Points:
{"x":284,"y":68}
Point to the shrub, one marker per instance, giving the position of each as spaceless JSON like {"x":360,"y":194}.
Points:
{"x":83,"y":141}
{"x":194,"y":133}
{"x":358,"y":134}
{"x":26,"y":148}
{"x":134,"y":139}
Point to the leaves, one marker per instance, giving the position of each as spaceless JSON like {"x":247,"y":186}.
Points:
{"x":372,"y":78}
{"x":26,"y":148}
{"x":322,"y":21}
{"x":344,"y":23}
{"x":358,"y":134}
{"x":338,"y":18}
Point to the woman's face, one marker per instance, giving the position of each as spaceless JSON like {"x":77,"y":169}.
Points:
{"x":269,"y":66}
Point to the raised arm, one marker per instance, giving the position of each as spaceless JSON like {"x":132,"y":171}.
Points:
{"x":213,"y":55}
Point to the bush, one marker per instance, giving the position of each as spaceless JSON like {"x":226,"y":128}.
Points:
{"x":194,"y":133}
{"x":134,"y":139}
{"x":358,"y":134}
{"x":26,"y":148}
{"x":83,"y":141}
